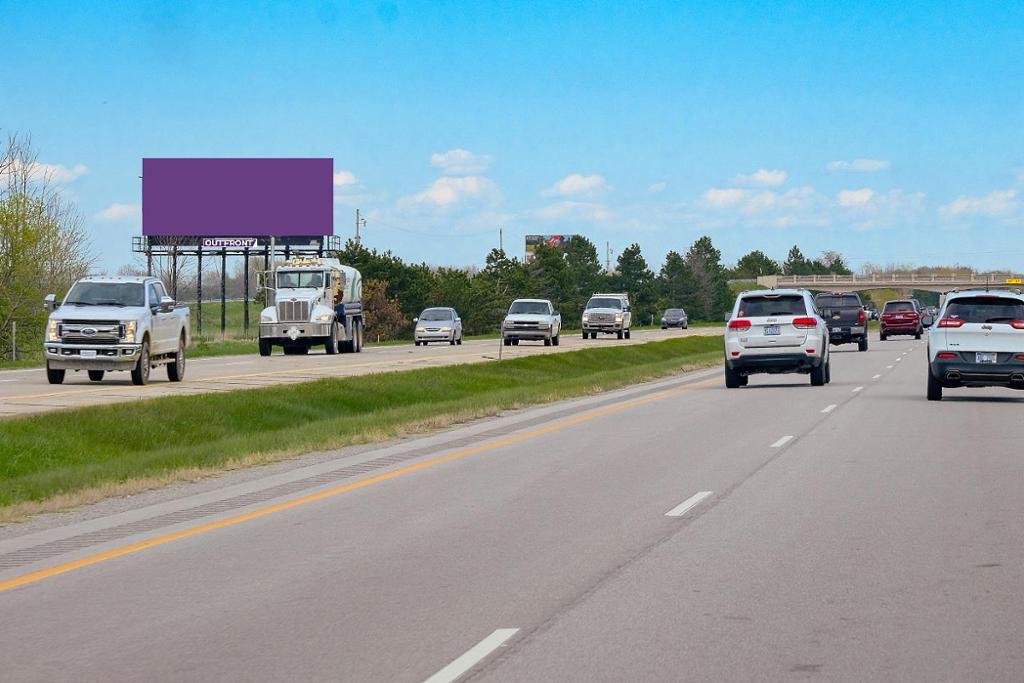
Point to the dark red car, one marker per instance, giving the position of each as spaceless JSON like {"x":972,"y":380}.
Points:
{"x":901,"y":317}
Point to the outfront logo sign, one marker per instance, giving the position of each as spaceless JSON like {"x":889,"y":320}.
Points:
{"x":229,"y":242}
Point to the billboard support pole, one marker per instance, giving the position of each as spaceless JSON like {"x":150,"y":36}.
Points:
{"x":223,"y":290}
{"x":245,"y":295}
{"x":272,"y":268}
{"x":149,"y":260}
{"x":199,"y":291}
{"x":174,"y":272}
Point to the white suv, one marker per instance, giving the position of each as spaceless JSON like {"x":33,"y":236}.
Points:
{"x":776,"y":331}
{"x":977,"y":342}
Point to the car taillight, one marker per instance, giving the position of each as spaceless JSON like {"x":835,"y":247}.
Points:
{"x":951,"y":322}
{"x":860,"y":317}
{"x":804,"y":323}
{"x":945,"y":355}
{"x":913,"y":316}
{"x":1019,"y":356}
{"x":739,"y":324}
{"x":1017,"y":324}
{"x":811,"y":351}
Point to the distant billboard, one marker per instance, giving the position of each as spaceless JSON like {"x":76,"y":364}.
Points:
{"x":224,"y":198}
{"x":553,"y":241}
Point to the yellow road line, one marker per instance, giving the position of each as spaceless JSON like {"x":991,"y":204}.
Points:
{"x":66,"y":567}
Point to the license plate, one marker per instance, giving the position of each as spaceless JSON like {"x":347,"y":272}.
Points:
{"x":771,"y":329}
{"x":837,"y":329}
{"x":87,"y":353}
{"x":985,"y":358}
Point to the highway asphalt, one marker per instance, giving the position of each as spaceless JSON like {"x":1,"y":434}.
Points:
{"x":675,"y":531}
{"x":24,"y":392}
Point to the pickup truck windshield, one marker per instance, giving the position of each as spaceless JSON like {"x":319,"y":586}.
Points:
{"x":296,"y":279}
{"x":436,"y":314}
{"x":529,"y":307}
{"x":605,"y":302}
{"x":985,"y":310}
{"x":106,"y":294}
{"x":762,"y":306}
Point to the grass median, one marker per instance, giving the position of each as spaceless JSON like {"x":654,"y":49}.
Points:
{"x":58,"y":460}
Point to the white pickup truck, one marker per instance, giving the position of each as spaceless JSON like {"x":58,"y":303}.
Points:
{"x":534,"y":319}
{"x":116,"y":323}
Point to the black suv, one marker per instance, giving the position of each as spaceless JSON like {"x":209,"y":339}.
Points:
{"x":844,"y":314}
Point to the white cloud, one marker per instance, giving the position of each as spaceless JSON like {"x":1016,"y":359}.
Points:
{"x":343,"y":178}
{"x":119,"y":212}
{"x":994,"y":205}
{"x":460,"y":162}
{"x":576,"y":184}
{"x":581,"y":211}
{"x":721,"y":197}
{"x":449,"y":190}
{"x":859,"y":166}
{"x":763,"y":177}
{"x":657,"y":187}
{"x":855,"y":198}
{"x":56,"y":173}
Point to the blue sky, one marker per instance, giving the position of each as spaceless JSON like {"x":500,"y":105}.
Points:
{"x":891,"y":132}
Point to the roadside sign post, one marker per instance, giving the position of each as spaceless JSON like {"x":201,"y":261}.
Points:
{"x":14,"y":340}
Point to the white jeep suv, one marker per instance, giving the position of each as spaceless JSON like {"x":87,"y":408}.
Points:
{"x":776,"y":331}
{"x":977,"y":342}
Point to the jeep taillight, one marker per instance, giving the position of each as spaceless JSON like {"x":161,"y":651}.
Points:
{"x":804,"y":323}
{"x":945,"y":355}
{"x":951,"y":322}
{"x":1017,"y":324}
{"x":739,"y":324}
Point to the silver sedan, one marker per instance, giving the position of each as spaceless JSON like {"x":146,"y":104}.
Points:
{"x":438,"y":325}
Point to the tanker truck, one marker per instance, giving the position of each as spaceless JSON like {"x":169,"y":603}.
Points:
{"x":317,"y":302}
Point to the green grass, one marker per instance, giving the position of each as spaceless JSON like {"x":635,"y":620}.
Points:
{"x":57,"y":455}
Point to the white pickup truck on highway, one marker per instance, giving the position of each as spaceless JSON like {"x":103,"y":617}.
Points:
{"x":534,"y":319}
{"x":116,"y":323}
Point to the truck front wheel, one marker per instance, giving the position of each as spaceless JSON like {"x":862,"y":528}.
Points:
{"x":627,"y":334}
{"x":54,"y":376}
{"x":140,"y":373}
{"x":265,"y":347}
{"x":331,"y":345}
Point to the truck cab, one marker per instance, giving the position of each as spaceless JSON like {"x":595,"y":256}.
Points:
{"x":316,"y":301}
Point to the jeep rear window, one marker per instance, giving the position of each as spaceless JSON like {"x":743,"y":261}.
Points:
{"x":761,"y":306}
{"x":985,"y":310}
{"x":899,"y":307}
{"x":833,"y":301}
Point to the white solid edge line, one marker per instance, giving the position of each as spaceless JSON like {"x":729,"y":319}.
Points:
{"x":473,"y":656}
{"x":876,"y":377}
{"x":888,"y":367}
{"x":899,"y":359}
{"x":783,"y":441}
{"x":858,"y":389}
{"x":829,"y":408}
{"x":688,"y":504}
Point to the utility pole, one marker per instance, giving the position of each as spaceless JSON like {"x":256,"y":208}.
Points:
{"x":608,"y":256}
{"x":360,"y":222}
{"x":501,"y":239}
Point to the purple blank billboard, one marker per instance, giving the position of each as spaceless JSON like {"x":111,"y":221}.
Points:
{"x":237,"y":197}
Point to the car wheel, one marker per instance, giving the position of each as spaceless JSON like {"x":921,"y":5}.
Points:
{"x":265,"y":347}
{"x":451,"y":342}
{"x":506,"y":342}
{"x":917,"y":336}
{"x":176,"y":370}
{"x":515,"y":342}
{"x":882,"y":337}
{"x":818,"y":376}
{"x":862,"y":345}
{"x":460,"y":340}
{"x":54,"y":376}
{"x":96,"y":375}
{"x":828,"y":371}
{"x":140,"y":373}
{"x":733,"y":379}
{"x":664,"y":327}
{"x":934,"y":388}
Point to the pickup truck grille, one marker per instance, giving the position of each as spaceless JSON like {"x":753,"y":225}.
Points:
{"x":601,"y":317}
{"x":293,"y":311}
{"x":79,"y":339}
{"x":86,"y":332}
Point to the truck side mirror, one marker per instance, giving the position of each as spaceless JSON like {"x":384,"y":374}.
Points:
{"x":166,"y":304}
{"x":50,"y":302}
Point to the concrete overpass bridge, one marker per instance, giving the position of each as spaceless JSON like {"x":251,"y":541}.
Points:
{"x":929,"y":283}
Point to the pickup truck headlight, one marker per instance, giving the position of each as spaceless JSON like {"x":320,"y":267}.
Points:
{"x":324,"y":318}
{"x":586,"y":317}
{"x":52,"y":331}
{"x":130,"y":327}
{"x":618,"y":317}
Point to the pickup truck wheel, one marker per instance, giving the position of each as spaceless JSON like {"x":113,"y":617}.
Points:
{"x":733,"y":380}
{"x":506,"y":342}
{"x":862,"y":345}
{"x":934,"y":388}
{"x":515,"y":342}
{"x":265,"y":347}
{"x":176,"y":370}
{"x":619,"y":334}
{"x":818,"y":376}
{"x":331,"y":345}
{"x":627,"y":334}
{"x":359,"y":337}
{"x":547,"y":342}
{"x":140,"y":373}
{"x":54,"y":376}
{"x":96,"y":375}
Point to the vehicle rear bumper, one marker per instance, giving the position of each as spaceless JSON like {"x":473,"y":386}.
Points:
{"x":774,"y":363}
{"x":847,"y":335}
{"x":900,"y":329}
{"x":108,"y":356}
{"x":959,"y":373}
